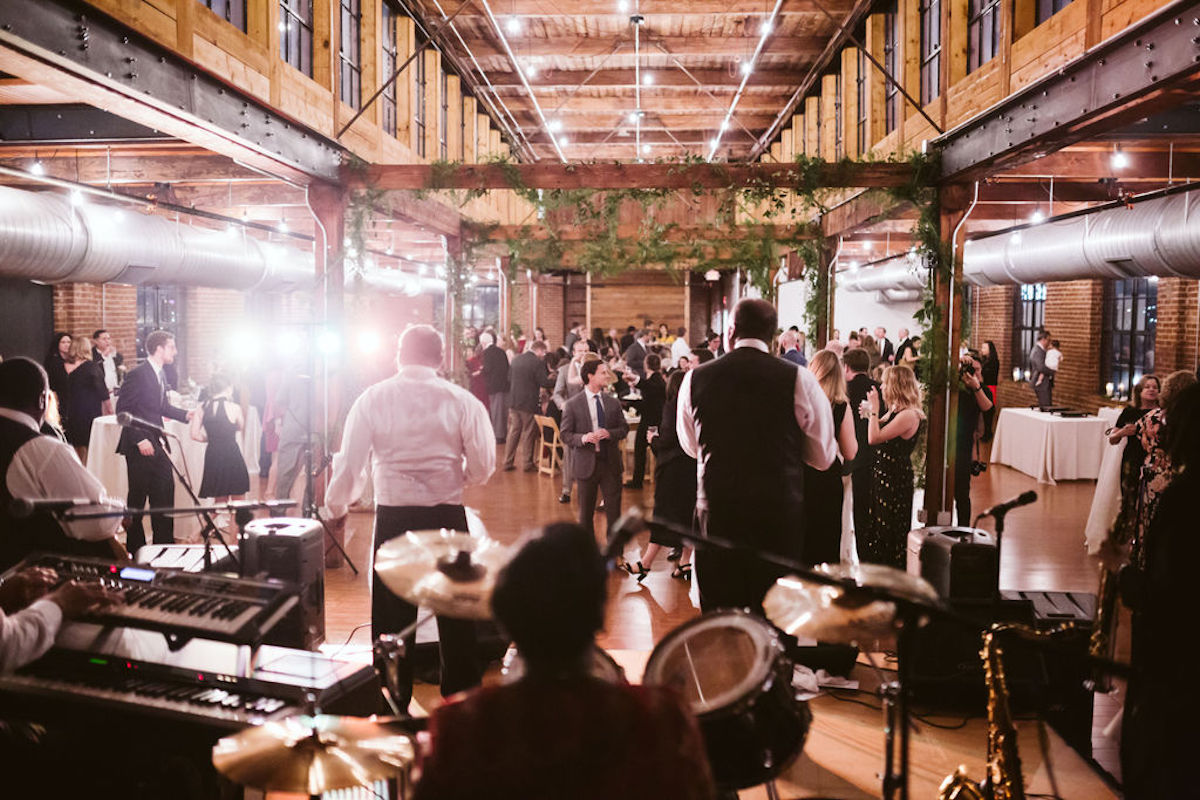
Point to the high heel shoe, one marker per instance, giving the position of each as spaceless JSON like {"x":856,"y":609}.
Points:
{"x":683,"y":572}
{"x":640,"y":573}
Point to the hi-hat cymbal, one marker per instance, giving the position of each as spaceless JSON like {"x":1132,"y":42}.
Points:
{"x":841,"y":614}
{"x":447,"y":571}
{"x":313,"y":755}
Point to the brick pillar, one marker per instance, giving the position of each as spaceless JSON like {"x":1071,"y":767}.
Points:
{"x":1175,"y":339}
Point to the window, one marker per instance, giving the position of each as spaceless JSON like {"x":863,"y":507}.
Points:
{"x":838,"y":125}
{"x":860,"y":103}
{"x":232,"y":11}
{"x":391,"y":57}
{"x":891,"y":62}
{"x":931,"y":49}
{"x":444,"y":113}
{"x":1029,"y":315}
{"x":419,"y":106}
{"x":983,"y":32}
{"x":160,"y":308}
{"x":350,"y":54}
{"x":1130,"y":322}
{"x":295,"y":34}
{"x":1048,"y":8}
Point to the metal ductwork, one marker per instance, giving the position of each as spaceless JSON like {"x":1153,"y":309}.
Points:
{"x":899,"y":295}
{"x":902,"y":272}
{"x":1158,"y":236}
{"x":45,"y":237}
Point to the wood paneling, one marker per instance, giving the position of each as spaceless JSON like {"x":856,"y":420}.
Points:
{"x":636,"y":296}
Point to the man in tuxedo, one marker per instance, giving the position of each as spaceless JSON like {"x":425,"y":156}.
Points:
{"x":527,"y":376}
{"x":593,"y":427}
{"x":905,"y":345}
{"x":752,"y":421}
{"x":144,"y":395}
{"x":886,"y":351}
{"x":654,"y":397}
{"x":495,"y":375}
{"x":567,"y":385}
{"x":858,"y":469}
{"x":1037,"y":366}
{"x":789,"y":341}
{"x":635,"y":354}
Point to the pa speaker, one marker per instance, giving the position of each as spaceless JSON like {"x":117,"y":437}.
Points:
{"x":291,"y":550}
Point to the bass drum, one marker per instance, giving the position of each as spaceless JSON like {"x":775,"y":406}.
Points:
{"x":730,"y":668}
{"x":604,"y":668}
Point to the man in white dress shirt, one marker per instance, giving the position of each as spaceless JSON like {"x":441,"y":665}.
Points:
{"x":751,"y":421}
{"x":37,"y":467}
{"x":425,"y":439}
{"x":30,"y":617}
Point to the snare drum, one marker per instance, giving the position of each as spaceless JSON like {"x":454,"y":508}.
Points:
{"x":604,"y":668}
{"x":730,"y":668}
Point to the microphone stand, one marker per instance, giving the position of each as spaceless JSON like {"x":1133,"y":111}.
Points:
{"x":209,"y":530}
{"x":911,"y":613}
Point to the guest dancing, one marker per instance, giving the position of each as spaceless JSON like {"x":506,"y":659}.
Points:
{"x":218,"y":422}
{"x":893,"y":437}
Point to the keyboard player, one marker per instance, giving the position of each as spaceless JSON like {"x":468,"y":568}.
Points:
{"x":37,"y":467}
{"x":30,"y":614}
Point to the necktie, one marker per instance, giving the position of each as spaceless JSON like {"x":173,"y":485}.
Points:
{"x":599,"y":417}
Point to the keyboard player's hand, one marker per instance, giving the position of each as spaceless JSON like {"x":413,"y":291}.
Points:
{"x":26,"y":586}
{"x":76,"y":599}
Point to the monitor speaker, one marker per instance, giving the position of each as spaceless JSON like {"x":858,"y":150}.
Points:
{"x":291,"y":550}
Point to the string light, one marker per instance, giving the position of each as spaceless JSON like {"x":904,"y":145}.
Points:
{"x":37,"y":168}
{"x":512,"y":25}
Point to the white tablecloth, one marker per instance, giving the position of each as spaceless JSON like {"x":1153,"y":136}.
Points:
{"x":1048,"y":447}
{"x":106,"y":464}
{"x":1106,"y":501}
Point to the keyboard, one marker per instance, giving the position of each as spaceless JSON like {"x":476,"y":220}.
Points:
{"x":181,"y":605}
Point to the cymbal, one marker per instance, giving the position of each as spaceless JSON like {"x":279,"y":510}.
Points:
{"x":314,"y":754}
{"x":840,"y":614}
{"x":449,"y":572}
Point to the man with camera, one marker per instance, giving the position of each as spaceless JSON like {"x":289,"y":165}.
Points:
{"x":973,"y":401}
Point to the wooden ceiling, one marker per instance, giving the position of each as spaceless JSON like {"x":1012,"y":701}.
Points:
{"x":580,"y":62}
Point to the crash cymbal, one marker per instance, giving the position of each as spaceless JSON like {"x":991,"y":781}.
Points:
{"x":311,"y":755}
{"x":449,"y":572}
{"x":842,"y":613}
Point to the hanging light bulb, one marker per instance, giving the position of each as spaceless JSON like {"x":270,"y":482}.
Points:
{"x":747,"y":68}
{"x":647,"y":78}
{"x":283,"y":226}
{"x":1037,"y":216}
{"x":37,"y":169}
{"x":76,"y":197}
{"x":1119,"y":159}
{"x":512,"y":25}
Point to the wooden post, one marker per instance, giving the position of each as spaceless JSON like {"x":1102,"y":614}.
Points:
{"x":327,"y":202}
{"x":942,"y":342}
{"x":687,"y":305}
{"x":451,"y":331}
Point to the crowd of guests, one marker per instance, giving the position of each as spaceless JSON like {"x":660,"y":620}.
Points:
{"x":84,"y":375}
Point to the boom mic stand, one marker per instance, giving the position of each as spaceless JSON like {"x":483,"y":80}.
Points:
{"x":911,"y":612}
{"x":209,"y":529}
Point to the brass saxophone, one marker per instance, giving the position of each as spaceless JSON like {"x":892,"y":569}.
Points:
{"x":1103,"y":638}
{"x":1004,"y":779}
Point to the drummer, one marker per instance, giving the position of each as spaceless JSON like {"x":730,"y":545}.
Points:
{"x":560,"y":731}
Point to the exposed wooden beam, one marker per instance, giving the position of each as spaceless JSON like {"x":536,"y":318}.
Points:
{"x":665,"y":76}
{"x":795,"y":47}
{"x":649,"y":8}
{"x":622,"y":176}
{"x":631,"y":232}
{"x":656,"y":101}
{"x":606,"y":121}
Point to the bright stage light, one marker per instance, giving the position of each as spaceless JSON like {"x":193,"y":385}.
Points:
{"x":287,"y":343}
{"x":368,"y":342}
{"x":328,"y":341}
{"x":512,"y":25}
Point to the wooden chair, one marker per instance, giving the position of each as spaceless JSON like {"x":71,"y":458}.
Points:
{"x":550,"y":451}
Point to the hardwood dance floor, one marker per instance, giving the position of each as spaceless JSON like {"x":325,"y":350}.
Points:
{"x":1043,"y":550}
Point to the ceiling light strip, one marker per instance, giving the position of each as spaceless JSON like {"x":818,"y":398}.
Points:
{"x":487,"y":7}
{"x":637,"y":81}
{"x":768,"y":26}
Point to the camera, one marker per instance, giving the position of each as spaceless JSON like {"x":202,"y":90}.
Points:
{"x":965,"y":368}
{"x":978,"y":468}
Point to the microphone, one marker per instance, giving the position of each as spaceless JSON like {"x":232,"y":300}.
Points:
{"x":999,"y":510}
{"x":626,"y":528}
{"x":25,"y":507}
{"x":127,"y":420}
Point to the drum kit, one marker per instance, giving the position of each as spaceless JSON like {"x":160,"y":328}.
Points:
{"x":729,"y":667}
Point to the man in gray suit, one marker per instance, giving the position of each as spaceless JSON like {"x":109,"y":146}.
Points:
{"x":567,"y":386}
{"x":593,"y":426}
{"x":526,"y":377}
{"x":1037,"y":366}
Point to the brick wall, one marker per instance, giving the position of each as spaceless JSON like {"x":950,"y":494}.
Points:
{"x":81,"y":308}
{"x":550,"y":309}
{"x":212,"y":318}
{"x":1178,"y":310}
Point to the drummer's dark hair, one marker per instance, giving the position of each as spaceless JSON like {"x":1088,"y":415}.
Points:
{"x":550,"y":597}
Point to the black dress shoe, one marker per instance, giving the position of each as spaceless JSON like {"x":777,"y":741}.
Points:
{"x":564,"y":498}
{"x":509,"y":468}
{"x":632,"y":485}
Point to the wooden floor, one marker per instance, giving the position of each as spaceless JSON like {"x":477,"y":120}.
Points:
{"x":1043,"y":550}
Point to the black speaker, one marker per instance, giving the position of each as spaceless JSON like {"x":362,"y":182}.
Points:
{"x":291,"y":550}
{"x":960,"y":563}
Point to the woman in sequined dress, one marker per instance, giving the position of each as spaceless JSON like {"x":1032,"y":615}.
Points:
{"x":894,"y":436}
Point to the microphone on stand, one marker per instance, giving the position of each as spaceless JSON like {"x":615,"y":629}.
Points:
{"x":628,"y":526}
{"x":127,"y":420}
{"x":1000,"y":509}
{"x":25,"y":507}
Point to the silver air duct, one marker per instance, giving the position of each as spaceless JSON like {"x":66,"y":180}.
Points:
{"x":44,"y":237}
{"x":1157,"y":236}
{"x":902,"y":272}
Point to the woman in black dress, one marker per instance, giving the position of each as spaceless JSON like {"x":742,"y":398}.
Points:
{"x":823,"y":487}
{"x":674,"y":489}
{"x":889,"y":518}
{"x":1145,"y":400}
{"x":86,"y":393}
{"x":56,"y":368}
{"x":218,"y":422}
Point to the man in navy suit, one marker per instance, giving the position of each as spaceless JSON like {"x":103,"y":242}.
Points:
{"x":593,"y":426}
{"x":144,"y":395}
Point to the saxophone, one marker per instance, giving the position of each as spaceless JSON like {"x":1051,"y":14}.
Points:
{"x":1004,"y":779}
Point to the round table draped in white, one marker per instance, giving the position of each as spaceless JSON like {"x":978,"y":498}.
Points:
{"x":187,"y":454}
{"x":1049,"y":447}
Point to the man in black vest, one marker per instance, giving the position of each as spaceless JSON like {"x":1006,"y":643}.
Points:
{"x":36,"y":467}
{"x":144,"y":395}
{"x":752,"y":421}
